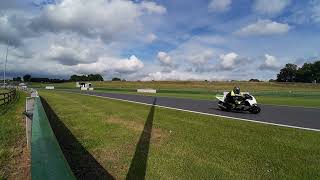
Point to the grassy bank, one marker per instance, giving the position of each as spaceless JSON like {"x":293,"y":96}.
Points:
{"x":135,"y":140}
{"x":13,"y":152}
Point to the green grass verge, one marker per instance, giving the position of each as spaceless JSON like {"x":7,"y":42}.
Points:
{"x":11,"y":131}
{"x":184,"y":145}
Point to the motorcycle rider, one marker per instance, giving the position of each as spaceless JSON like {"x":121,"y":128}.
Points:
{"x":232,"y":96}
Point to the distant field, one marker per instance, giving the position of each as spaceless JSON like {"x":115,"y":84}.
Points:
{"x":293,"y":94}
{"x":138,"y":141}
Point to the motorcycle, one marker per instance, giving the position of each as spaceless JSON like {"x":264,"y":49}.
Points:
{"x":245,"y":102}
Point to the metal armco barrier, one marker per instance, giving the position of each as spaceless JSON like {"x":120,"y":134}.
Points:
{"x":47,"y":159}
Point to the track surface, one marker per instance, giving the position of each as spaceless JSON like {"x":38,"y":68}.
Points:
{"x":282,"y":115}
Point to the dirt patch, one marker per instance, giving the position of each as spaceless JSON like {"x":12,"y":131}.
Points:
{"x":131,"y":125}
{"x":158,"y":135}
{"x":113,"y":160}
{"x":19,"y":165}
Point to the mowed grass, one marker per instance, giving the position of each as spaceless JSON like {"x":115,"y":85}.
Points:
{"x":184,"y":145}
{"x":292,"y":94}
{"x":11,"y":135}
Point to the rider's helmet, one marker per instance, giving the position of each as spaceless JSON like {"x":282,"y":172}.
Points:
{"x":236,"y":90}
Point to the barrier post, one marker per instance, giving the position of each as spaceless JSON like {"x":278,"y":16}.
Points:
{"x":29,"y":115}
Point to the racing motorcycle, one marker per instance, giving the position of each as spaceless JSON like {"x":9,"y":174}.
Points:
{"x":246,"y":102}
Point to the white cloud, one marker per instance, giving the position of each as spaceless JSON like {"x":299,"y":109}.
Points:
{"x":151,"y":38}
{"x":112,"y":64}
{"x":263,"y":27}
{"x":209,"y":39}
{"x":228,"y":61}
{"x":81,"y":36}
{"x":270,"y":63}
{"x":193,"y":52}
{"x":69,"y":48}
{"x":108,"y":20}
{"x":77,"y":36}
{"x":7,"y":31}
{"x":219,"y":5}
{"x":164,"y":58}
{"x":128,"y":65}
{"x":70,"y":55}
{"x":14,"y":28}
{"x":270,"y":7}
{"x":152,"y":7}
{"x":200,"y":57}
{"x":196,"y":54}
{"x":315,"y":10}
{"x":306,"y":13}
{"x":181,"y":75}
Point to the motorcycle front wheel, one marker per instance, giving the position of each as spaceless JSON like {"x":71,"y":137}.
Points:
{"x":255,"y":109}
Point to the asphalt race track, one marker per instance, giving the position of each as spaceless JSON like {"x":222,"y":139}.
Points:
{"x":297,"y":117}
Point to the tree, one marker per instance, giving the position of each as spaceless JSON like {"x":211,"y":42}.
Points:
{"x":288,"y":73}
{"x":26,"y":78}
{"x":17,"y":79}
{"x":95,"y":77}
{"x":116,"y":79}
{"x":316,"y":70}
{"x":90,"y":77}
{"x":308,"y":73}
{"x":305,"y":73}
{"x":254,"y":80}
{"x":74,"y":78}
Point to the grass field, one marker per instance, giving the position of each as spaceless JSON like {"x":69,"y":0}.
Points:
{"x":12,"y":141}
{"x":293,"y":94}
{"x":143,"y":141}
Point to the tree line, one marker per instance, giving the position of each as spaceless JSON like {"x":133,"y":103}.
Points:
{"x":29,"y":78}
{"x":309,"y":72}
{"x":90,"y":77}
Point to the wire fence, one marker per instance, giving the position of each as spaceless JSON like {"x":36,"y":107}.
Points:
{"x":7,"y":97}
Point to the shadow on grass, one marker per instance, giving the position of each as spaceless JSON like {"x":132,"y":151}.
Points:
{"x":81,"y":162}
{"x":138,"y":164}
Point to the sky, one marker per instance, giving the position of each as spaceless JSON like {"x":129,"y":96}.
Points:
{"x":158,"y":39}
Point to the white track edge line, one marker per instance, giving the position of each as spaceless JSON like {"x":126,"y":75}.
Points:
{"x":281,"y":105}
{"x":208,"y":114}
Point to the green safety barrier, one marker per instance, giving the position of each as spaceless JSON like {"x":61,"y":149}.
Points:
{"x":47,"y":159}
